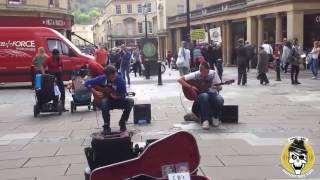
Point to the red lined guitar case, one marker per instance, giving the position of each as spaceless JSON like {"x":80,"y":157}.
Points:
{"x":180,"y":147}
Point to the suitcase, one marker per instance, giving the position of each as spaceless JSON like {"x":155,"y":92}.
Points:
{"x":230,"y":114}
{"x":109,"y":149}
{"x":141,"y":113}
{"x":173,"y":150}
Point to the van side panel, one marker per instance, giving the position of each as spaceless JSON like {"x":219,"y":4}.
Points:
{"x":17,"y":50}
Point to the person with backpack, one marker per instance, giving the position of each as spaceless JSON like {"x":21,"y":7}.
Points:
{"x":183,"y":60}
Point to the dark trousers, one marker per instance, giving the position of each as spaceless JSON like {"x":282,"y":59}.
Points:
{"x":220,"y":69}
{"x":286,"y":67}
{"x":208,"y":105}
{"x":137,"y":68}
{"x":242,"y":75}
{"x":60,"y":84}
{"x":108,"y":104}
{"x":294,"y":73}
{"x":278,"y":68}
{"x":263,"y":78}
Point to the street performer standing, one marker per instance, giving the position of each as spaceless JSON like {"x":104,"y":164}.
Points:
{"x":208,"y":104}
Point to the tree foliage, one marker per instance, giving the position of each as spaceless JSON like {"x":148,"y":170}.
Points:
{"x":84,"y":11}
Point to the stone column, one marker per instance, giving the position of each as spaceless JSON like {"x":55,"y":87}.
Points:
{"x":169,"y":41}
{"x":278,"y":28}
{"x":295,"y":21}
{"x":228,"y":42}
{"x":252,"y":30}
{"x":260,"y":30}
{"x":178,"y":38}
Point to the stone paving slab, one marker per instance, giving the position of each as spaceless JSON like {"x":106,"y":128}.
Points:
{"x":12,"y":164}
{"x":56,"y":160}
{"x":251,"y":172}
{"x":20,"y":173}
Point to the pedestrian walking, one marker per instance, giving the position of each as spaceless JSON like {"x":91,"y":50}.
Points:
{"x":285,"y":54}
{"x":37,"y":61}
{"x":262,"y":67}
{"x":294,"y":59}
{"x":315,"y":59}
{"x":101,"y":55}
{"x":55,"y":68}
{"x":277,"y":58}
{"x":125,"y":56}
{"x":242,"y":58}
{"x":183,"y":60}
{"x":136,"y":61}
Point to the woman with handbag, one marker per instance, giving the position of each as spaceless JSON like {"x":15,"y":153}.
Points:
{"x":183,"y":61}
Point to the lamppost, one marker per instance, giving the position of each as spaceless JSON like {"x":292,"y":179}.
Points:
{"x":188,"y":22}
{"x":145,"y":13}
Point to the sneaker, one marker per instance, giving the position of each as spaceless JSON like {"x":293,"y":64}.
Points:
{"x":297,"y":82}
{"x":314,"y":77}
{"x":206,"y":125}
{"x":215,"y":122}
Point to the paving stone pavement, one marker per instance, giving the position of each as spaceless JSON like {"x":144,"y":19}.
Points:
{"x":51,"y":147}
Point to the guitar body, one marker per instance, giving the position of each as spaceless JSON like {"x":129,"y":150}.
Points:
{"x":177,"y":148}
{"x":105,"y":90}
{"x":192,"y":95}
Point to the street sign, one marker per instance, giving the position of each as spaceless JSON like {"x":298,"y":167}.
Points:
{"x":197,"y":34}
{"x":215,"y":34}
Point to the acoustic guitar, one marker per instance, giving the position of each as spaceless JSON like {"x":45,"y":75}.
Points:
{"x":180,"y":147}
{"x":192,"y":95}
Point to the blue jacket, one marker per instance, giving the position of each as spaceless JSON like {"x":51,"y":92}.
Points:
{"x":119,"y":85}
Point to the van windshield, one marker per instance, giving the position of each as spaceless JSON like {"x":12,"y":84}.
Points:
{"x":72,"y":45}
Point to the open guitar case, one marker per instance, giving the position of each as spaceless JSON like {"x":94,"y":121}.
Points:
{"x":171,"y":151}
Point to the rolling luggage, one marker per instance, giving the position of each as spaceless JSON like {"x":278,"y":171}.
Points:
{"x":155,"y":161}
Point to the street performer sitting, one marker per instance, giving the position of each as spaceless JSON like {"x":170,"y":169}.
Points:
{"x":110,"y":92}
{"x":207,"y":103}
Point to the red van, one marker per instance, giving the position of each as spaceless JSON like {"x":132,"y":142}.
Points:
{"x":18,"y":46}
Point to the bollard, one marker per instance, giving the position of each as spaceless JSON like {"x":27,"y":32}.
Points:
{"x":147,"y":62}
{"x":159,"y":73}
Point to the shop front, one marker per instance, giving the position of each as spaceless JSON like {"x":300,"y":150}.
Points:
{"x":62,"y":25}
{"x":311,"y":30}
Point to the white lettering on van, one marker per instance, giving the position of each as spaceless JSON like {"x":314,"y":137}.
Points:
{"x":18,"y":44}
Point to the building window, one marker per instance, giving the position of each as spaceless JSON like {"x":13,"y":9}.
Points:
{"x":139,"y":8}
{"x":149,"y":27}
{"x":54,"y":3}
{"x":16,"y":2}
{"x":180,"y":9}
{"x":140,"y":28}
{"x":119,"y":29}
{"x":118,"y":9}
{"x":199,"y":6}
{"x":149,"y":7}
{"x":130,"y":29}
{"x":129,"y":8}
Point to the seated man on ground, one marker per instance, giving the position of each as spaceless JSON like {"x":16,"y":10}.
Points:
{"x":208,"y":104}
{"x":110,"y":91}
